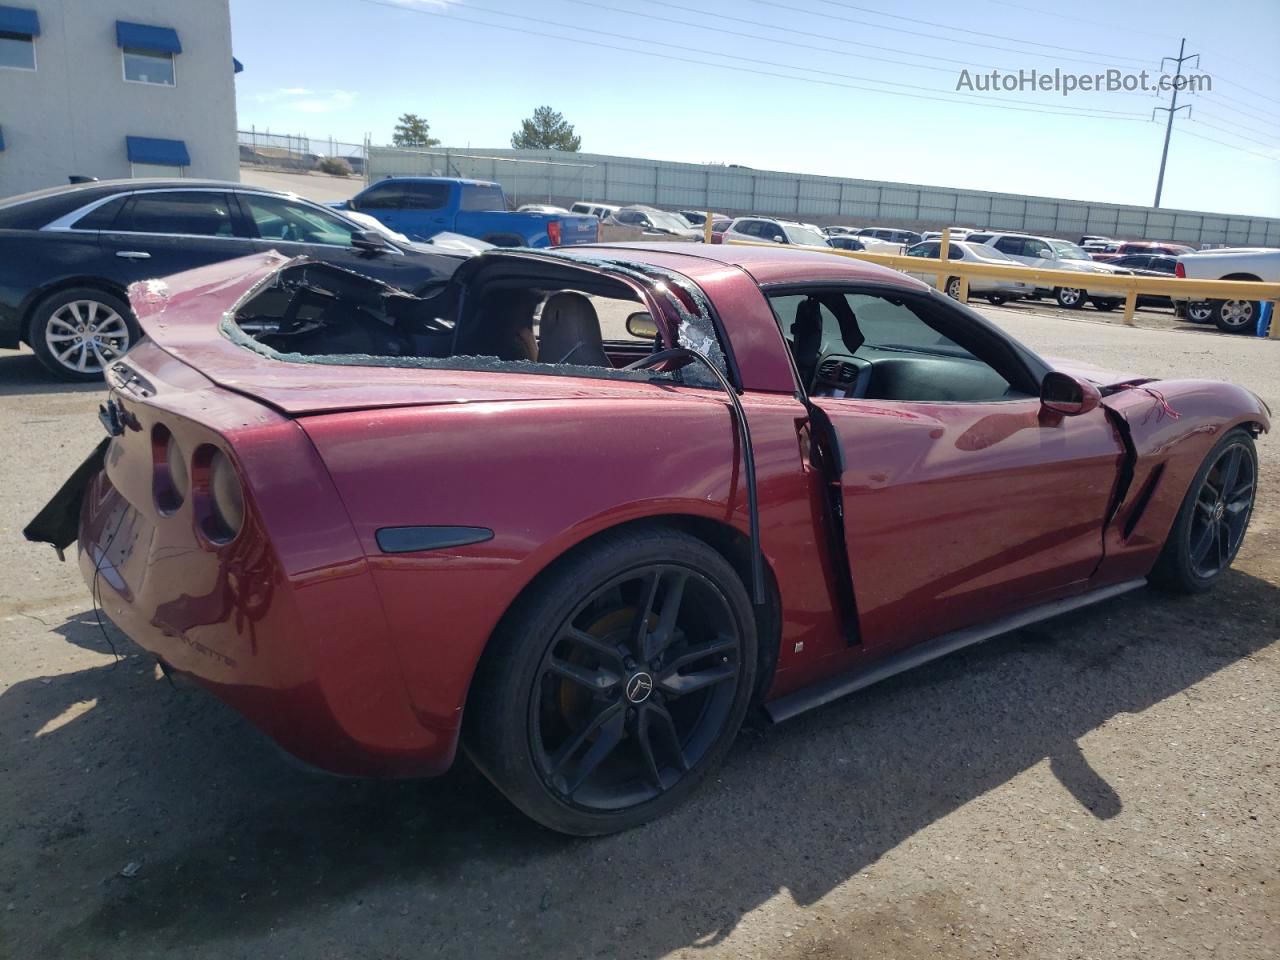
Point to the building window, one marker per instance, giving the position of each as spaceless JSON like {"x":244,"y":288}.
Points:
{"x":137,"y":170}
{"x":17,"y":51}
{"x":149,"y":66}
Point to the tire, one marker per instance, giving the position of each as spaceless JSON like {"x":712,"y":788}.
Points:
{"x":1200,"y":312}
{"x":1069,"y":297}
{"x":953,"y":288}
{"x":1236,"y":316}
{"x":77,"y":331}
{"x":1188,"y":563}
{"x":1106,"y":306}
{"x":568,"y":730}
{"x":997,"y":300}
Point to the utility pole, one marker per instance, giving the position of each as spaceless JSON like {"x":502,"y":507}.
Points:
{"x":1172,"y":108}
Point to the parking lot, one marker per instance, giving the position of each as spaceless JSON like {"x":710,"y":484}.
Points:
{"x":1102,"y":785}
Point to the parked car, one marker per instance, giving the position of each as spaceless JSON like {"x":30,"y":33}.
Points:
{"x":602,"y":211}
{"x":904,"y":237}
{"x":1232,"y":263}
{"x":1050,"y":254}
{"x":838,"y":231}
{"x":1144,"y":246}
{"x":1153,"y":265}
{"x":957,"y":233}
{"x":760,"y":229}
{"x":654,"y":221}
{"x":995,"y":290}
{"x":1093,"y":238}
{"x":70,"y":253}
{"x":718,"y":227}
{"x":697,"y":218}
{"x":421,"y":207}
{"x":258,"y":523}
{"x":540,"y":208}
{"x":845,"y":242}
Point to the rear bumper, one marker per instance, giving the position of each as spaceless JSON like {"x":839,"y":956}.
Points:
{"x":239,"y":629}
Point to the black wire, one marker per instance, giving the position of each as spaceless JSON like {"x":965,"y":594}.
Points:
{"x":1106,"y":57}
{"x":958,"y":99}
{"x":95,"y":593}
{"x":748,"y":455}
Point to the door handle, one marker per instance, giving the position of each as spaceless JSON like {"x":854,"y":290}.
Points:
{"x":133,"y":254}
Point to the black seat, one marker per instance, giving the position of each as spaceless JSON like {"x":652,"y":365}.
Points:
{"x":806,"y":338}
{"x":569,"y":332}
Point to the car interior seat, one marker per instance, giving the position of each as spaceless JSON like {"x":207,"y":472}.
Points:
{"x":806,"y":338}
{"x":569,"y":332}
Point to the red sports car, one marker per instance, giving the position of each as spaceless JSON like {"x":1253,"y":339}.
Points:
{"x":382,"y":526}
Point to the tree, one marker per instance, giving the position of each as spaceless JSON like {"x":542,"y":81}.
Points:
{"x":413,"y":131}
{"x":546,"y":130}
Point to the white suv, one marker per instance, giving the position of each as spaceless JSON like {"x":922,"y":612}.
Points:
{"x":760,"y":229}
{"x":1050,"y":254}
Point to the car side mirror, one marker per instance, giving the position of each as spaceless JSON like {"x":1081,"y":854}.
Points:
{"x":368,"y":240}
{"x":778,"y":239}
{"x":1070,"y":396}
{"x":642,"y":326}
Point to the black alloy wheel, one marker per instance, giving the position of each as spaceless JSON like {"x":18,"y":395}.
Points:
{"x":1214,"y":516}
{"x":617,"y":683}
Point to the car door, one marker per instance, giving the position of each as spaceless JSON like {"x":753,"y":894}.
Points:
{"x":425,"y":209}
{"x":956,"y":509}
{"x":299,"y":228}
{"x":166,"y":231}
{"x":928,"y":249}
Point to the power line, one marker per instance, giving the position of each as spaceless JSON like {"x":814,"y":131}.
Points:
{"x":1067,"y":110}
{"x":1222,"y":143}
{"x":1253,"y":118}
{"x":1232,"y":133}
{"x":1041,"y":12}
{"x":953,"y":100}
{"x":944,"y":26}
{"x":1261,"y":96}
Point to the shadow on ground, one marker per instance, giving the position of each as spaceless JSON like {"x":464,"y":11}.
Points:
{"x":21,"y":374}
{"x":112,"y":765}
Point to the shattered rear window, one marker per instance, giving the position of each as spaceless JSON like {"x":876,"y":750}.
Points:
{"x":317,"y":313}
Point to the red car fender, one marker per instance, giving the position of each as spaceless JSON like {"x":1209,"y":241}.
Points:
{"x":1170,"y":426}
{"x":545,"y":476}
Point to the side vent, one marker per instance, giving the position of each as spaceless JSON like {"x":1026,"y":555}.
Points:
{"x":1143,"y":498}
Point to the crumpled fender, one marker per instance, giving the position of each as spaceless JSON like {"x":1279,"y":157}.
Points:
{"x":1168,"y":426}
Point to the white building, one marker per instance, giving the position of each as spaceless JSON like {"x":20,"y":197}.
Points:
{"x":115,"y":88}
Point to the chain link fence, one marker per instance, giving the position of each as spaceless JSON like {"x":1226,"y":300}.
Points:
{"x":289,"y":152}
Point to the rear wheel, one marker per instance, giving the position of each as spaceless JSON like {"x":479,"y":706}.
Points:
{"x":1106,"y":306}
{"x":953,"y":288}
{"x":1200,"y":312}
{"x":615,"y":687}
{"x":997,"y":299}
{"x":79,"y":332}
{"x":1069,"y":297}
{"x":1212,"y":520}
{"x":1236,"y":316}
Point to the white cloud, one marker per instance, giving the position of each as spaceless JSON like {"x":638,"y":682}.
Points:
{"x":306,"y":100}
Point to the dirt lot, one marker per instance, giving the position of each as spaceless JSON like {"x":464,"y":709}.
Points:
{"x":1104,"y":785}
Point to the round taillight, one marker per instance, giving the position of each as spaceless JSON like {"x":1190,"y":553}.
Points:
{"x":171,"y":478}
{"x":220,"y":503}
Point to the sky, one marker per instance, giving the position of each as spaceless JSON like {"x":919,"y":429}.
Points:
{"x":823,"y":87}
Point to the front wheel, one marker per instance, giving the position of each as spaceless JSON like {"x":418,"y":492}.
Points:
{"x":953,"y":288}
{"x":1069,"y":297}
{"x":1106,"y":306}
{"x":79,"y":332}
{"x":997,"y":299}
{"x":1212,"y":520}
{"x":615,"y":686}
{"x":1200,"y":312}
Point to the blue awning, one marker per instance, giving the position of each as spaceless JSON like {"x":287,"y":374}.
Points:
{"x":236,"y":65}
{"x":142,"y":37}
{"x":19,"y":20}
{"x":171,"y":153}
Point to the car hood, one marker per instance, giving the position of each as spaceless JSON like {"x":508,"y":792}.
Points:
{"x":182,"y":314}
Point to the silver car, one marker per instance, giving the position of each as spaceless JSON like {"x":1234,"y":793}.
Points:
{"x":996,"y":291}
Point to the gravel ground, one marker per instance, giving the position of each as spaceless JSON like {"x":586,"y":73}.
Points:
{"x":1102,"y":785}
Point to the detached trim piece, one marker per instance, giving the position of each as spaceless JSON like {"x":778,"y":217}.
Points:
{"x":823,"y":693}
{"x":414,"y":539}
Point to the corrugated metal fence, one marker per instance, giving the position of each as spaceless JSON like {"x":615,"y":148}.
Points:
{"x":542,"y":176}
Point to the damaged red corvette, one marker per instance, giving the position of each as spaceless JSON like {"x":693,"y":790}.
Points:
{"x":385,"y":526}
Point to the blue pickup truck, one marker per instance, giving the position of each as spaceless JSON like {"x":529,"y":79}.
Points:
{"x":421,"y":207}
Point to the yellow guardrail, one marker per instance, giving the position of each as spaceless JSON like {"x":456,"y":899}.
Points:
{"x":1130,"y":285}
